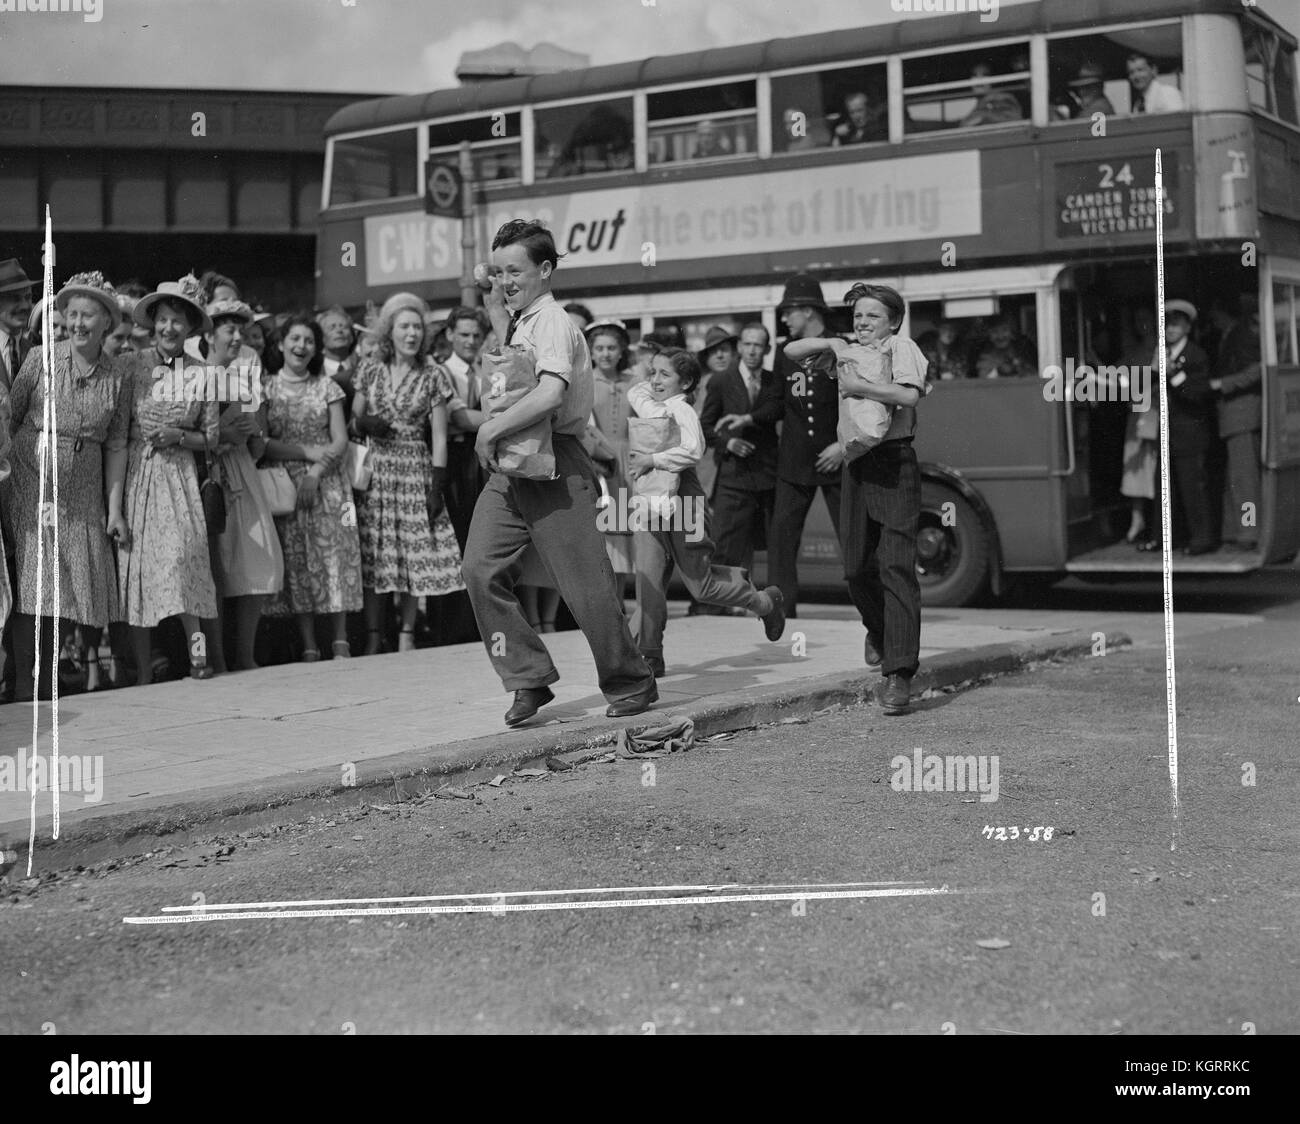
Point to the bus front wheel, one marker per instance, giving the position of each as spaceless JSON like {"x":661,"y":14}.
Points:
{"x":952,"y":548}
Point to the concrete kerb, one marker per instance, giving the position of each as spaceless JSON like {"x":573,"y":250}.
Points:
{"x":471,"y":761}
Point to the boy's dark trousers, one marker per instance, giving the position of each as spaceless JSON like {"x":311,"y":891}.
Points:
{"x":879,"y":517}
{"x":657,"y":551}
{"x":558,"y":517}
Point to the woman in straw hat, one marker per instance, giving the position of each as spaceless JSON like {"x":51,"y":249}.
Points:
{"x":322,"y":557}
{"x":93,"y":412}
{"x":166,"y":571}
{"x":408,"y":545}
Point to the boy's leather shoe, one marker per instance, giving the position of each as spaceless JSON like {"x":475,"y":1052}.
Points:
{"x":528,"y":702}
{"x":774,"y":622}
{"x":897,"y":694}
{"x":636,"y":704}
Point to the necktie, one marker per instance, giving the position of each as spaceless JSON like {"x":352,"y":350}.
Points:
{"x":11,"y":359}
{"x":1140,"y":103}
{"x":751,"y":383}
{"x":514,"y":323}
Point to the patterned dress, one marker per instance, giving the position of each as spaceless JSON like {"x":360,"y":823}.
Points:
{"x":95,"y":413}
{"x":399,"y":551}
{"x":322,"y":556}
{"x":167,"y":570}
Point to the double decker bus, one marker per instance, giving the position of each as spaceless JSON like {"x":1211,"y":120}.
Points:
{"x":998,"y":173}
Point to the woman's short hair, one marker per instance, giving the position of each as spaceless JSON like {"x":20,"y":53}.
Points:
{"x":211,"y":281}
{"x":890,"y":298}
{"x":317,"y":362}
{"x":384,"y":331}
{"x":686,"y":366}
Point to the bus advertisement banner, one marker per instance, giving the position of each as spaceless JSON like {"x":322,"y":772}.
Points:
{"x":1226,"y":204}
{"x":1116,"y":197}
{"x":933,"y":197}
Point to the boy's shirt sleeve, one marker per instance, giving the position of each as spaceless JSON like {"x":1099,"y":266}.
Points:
{"x":691,"y":450}
{"x":643,"y":402}
{"x":910,"y":364}
{"x":553,"y":343}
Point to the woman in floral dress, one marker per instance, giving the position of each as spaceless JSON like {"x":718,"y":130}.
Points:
{"x":166,"y":570}
{"x":322,"y":557}
{"x":93,"y":405}
{"x":408,"y":545}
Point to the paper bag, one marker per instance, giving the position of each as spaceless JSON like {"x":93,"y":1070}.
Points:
{"x":527,"y":452}
{"x":649,"y":436}
{"x":863,"y":421}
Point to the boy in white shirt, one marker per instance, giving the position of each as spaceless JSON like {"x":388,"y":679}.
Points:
{"x":679,"y":536}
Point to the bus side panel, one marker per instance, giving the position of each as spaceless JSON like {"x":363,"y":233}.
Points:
{"x":1281,"y":471}
{"x":341,"y":263}
{"x":1001,"y":435}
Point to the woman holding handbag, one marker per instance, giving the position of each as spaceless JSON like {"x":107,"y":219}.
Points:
{"x":247,"y":562}
{"x":322,"y":556}
{"x":166,"y":570}
{"x":408,"y":544}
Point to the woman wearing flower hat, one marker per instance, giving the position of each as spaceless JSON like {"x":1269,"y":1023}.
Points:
{"x":167,"y":570}
{"x":247,"y":560}
{"x":408,"y":545}
{"x":93,"y":407}
{"x":322,"y":554}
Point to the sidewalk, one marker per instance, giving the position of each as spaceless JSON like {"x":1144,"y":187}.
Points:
{"x":175,"y":755}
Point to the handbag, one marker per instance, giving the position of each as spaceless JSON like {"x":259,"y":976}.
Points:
{"x":281,"y":492}
{"x":359,"y":466}
{"x":213,"y":496}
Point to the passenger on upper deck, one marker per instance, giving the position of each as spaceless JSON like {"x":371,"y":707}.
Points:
{"x":709,"y":142}
{"x":1150,"y":96}
{"x":803,"y":133}
{"x":994,"y":105}
{"x":865,"y":121}
{"x":1086,"y":92}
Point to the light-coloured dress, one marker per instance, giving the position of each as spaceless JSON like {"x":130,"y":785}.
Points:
{"x":400,"y":553}
{"x":95,"y":412}
{"x":322,"y":555}
{"x":166,"y":570}
{"x":249,"y":560}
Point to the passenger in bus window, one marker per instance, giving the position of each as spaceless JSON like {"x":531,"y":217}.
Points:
{"x":1148,"y":95}
{"x":711,"y":142}
{"x":993,"y":104}
{"x":1237,"y":387}
{"x":947,"y":357}
{"x":865,"y":121}
{"x":1087,"y":94}
{"x":1007,"y":354}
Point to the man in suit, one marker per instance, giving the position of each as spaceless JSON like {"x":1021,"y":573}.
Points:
{"x":15,"y":308}
{"x":808,"y":453}
{"x":1237,"y":386}
{"x":739,"y":422}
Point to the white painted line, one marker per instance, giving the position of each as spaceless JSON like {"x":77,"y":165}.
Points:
{"x":706,"y":889}
{"x":534,"y":907}
{"x":1166,"y":513}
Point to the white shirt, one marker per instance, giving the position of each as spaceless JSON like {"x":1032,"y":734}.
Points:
{"x":691,"y":450}
{"x":558,"y":348}
{"x":753,"y":382}
{"x":1160,"y":98}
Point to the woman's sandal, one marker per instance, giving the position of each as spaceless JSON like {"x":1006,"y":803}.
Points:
{"x":404,"y":644}
{"x":201,"y":670}
{"x":310,"y":655}
{"x":342,"y":650}
{"x":375,"y":643}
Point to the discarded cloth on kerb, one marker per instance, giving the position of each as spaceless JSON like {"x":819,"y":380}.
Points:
{"x":657,"y":741}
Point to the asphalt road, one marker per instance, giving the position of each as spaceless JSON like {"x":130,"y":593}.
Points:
{"x":1199,"y":940}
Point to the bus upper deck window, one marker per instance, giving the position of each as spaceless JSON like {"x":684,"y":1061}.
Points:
{"x":703,"y":123}
{"x":966,"y":89}
{"x":380,"y":166}
{"x":495,"y":144}
{"x":1270,"y":72}
{"x":837,"y":107}
{"x":583,"y":139}
{"x":1130,"y":71}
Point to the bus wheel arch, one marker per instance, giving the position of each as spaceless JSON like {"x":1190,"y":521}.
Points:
{"x":959,"y":557}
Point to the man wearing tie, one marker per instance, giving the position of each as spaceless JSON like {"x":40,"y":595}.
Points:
{"x":15,"y":308}
{"x":739,"y":422}
{"x":1148,"y":95}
